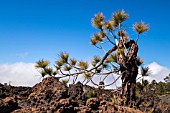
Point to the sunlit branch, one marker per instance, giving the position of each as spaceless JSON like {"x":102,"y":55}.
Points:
{"x":107,"y":84}
{"x":113,"y":35}
{"x":137,"y":38}
{"x":108,"y":38}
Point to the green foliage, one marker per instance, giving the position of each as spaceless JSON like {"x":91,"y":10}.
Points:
{"x":120,"y":51}
{"x":121,"y":33}
{"x":139,"y":86}
{"x":116,"y":100}
{"x":139,"y":61}
{"x":153,"y":85}
{"x":65,"y":81}
{"x":95,"y":60}
{"x":105,"y":65}
{"x":43,"y":73}
{"x":55,"y":72}
{"x":161,"y":88}
{"x":64,"y":57}
{"x":90,"y":94}
{"x":167,"y":79}
{"x":144,"y":71}
{"x":97,"y":37}
{"x":97,"y":21}
{"x":59,"y":63}
{"x":42,"y":63}
{"x":87,"y":75}
{"x":67,"y":68}
{"x":112,"y":58}
{"x":83,"y":65}
{"x":145,"y":82}
{"x":73,"y":62}
{"x":109,"y":25}
{"x":118,"y":17}
{"x":140,"y":27}
{"x":49,"y":71}
{"x":98,"y":70}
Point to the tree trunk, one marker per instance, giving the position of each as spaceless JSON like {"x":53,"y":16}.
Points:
{"x":129,"y":71}
{"x":128,"y":84}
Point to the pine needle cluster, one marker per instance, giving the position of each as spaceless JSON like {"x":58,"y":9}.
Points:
{"x":140,"y":27}
{"x":145,"y":71}
{"x":118,"y":17}
{"x":97,"y":37}
{"x":95,"y":60}
{"x":83,"y":65}
{"x":97,"y":21}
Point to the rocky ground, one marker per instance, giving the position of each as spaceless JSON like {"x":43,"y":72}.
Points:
{"x":53,"y":96}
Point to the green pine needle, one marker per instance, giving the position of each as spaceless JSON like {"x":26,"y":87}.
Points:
{"x":83,"y":65}
{"x":64,"y":57}
{"x":73,"y":62}
{"x":67,"y":68}
{"x":140,"y":27}
{"x":145,"y":71}
{"x":49,"y":71}
{"x":119,"y":16}
{"x":95,"y":60}
{"x":42,"y":63}
{"x":97,"y":21}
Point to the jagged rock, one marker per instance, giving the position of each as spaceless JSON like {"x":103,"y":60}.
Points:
{"x":123,"y":109}
{"x":79,"y":91}
{"x":167,"y":110}
{"x":8,"y":105}
{"x":29,"y":110}
{"x":108,"y":107}
{"x":93,"y":103}
{"x":104,"y":94}
{"x":46,"y":91}
{"x":75,"y":91}
{"x":63,"y":106}
{"x":165,"y":98}
{"x":84,"y":109}
{"x":52,"y":96}
{"x":9,"y":91}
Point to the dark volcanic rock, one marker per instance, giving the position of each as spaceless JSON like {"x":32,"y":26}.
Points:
{"x":8,"y":104}
{"x":9,"y":91}
{"x":46,"y":91}
{"x":53,"y":96}
{"x":93,"y":103}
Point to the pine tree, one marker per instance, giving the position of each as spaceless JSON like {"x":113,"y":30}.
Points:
{"x":120,"y":59}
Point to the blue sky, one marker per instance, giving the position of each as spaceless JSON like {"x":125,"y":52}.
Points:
{"x":34,"y":29}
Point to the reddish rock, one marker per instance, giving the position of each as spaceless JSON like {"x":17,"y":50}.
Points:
{"x":8,"y":104}
{"x":46,"y":91}
{"x":93,"y":103}
{"x":52,"y":96}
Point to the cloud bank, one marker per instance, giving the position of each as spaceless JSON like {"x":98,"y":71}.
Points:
{"x":25,"y":74}
{"x":19,"y":74}
{"x":157,"y":72}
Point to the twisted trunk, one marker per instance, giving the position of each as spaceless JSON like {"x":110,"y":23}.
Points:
{"x":128,"y":84}
{"x":129,"y":71}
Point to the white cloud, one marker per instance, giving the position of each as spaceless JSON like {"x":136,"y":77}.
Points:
{"x":19,"y":74}
{"x":158,"y":72}
{"x":25,"y":74}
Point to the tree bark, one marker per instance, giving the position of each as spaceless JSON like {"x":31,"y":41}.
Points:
{"x":128,"y":84}
{"x":129,"y":71}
